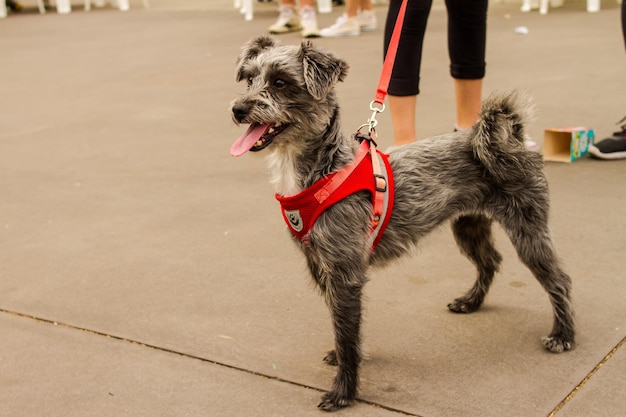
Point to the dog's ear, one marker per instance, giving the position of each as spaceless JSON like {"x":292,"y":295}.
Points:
{"x":322,"y":69}
{"x":250,"y":50}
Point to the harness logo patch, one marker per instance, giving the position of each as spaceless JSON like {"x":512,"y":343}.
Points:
{"x":295,"y":220}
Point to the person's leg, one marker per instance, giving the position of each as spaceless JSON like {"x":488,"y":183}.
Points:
{"x":365,"y":5}
{"x":402,"y":110}
{"x":352,"y":8}
{"x":468,"y":97}
{"x":467,"y":35}
{"x":404,"y":83}
{"x":287,"y":3}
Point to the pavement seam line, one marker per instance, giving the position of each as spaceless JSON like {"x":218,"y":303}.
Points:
{"x":587,"y":378}
{"x":199,"y":358}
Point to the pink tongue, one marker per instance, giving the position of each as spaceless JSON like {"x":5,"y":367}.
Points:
{"x":248,"y":139}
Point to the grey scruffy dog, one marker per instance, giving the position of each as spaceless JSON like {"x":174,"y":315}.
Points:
{"x":470,"y":178}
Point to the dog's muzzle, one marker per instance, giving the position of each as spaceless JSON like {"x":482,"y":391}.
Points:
{"x":241,"y":111}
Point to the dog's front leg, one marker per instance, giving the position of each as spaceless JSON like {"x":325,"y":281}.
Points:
{"x":344,"y":301}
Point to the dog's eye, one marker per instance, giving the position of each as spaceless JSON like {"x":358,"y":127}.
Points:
{"x":280,"y":83}
{"x":250,"y":79}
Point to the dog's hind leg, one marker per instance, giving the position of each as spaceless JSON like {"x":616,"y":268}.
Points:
{"x":473,"y":236}
{"x":534,"y":246}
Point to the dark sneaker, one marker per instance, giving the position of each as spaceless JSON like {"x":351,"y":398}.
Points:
{"x":613,"y":147}
{"x":13,"y":5}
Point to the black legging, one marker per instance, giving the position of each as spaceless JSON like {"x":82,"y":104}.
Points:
{"x":467,"y":34}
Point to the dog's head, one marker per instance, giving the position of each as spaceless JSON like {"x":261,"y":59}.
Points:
{"x":290,"y":91}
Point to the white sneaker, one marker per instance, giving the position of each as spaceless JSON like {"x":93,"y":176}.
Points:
{"x":287,"y":21}
{"x":367,"y":20}
{"x":308,"y":20}
{"x":344,"y":26}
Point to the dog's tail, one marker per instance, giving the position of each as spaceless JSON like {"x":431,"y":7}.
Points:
{"x":498,"y":136}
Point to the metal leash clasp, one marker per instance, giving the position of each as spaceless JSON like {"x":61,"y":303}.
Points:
{"x":372,"y":122}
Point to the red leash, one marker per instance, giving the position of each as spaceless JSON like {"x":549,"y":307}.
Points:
{"x":390,"y":58}
{"x":378,"y":106}
{"x":381,"y":94}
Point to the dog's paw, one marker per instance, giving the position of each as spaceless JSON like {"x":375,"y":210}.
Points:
{"x":332,"y":401}
{"x":556,"y":344}
{"x":463,"y":306}
{"x":331,"y":358}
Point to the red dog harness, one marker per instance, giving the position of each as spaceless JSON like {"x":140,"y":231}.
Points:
{"x":364,"y":173}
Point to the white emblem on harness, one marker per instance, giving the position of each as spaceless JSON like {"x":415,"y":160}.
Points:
{"x":295,"y":220}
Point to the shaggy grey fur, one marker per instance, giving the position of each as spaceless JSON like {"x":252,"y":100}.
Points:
{"x":471,"y":178}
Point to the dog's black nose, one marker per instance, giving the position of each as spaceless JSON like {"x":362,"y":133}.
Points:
{"x":240,"y":111}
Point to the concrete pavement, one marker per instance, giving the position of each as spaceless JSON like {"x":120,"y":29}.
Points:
{"x":145,"y":272}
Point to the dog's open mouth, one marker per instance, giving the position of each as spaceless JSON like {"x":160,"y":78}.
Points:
{"x":257,"y":137}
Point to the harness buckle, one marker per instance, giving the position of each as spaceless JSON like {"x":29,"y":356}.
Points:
{"x":361,"y":137}
{"x":381,"y":186}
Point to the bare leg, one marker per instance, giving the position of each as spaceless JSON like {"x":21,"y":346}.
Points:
{"x":403,"y":118}
{"x":352,"y":8}
{"x":468,"y":99}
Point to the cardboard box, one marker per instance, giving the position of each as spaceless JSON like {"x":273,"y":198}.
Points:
{"x":567,"y":144}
